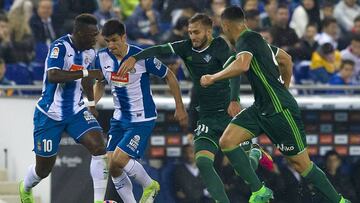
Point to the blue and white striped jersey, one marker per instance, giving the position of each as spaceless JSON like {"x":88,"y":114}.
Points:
{"x":132,"y":95}
{"x":62,"y":100}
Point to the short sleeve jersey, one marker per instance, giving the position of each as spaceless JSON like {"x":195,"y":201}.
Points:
{"x":62,"y":100}
{"x":132,"y":95}
{"x":209,"y":60}
{"x":271,"y":95}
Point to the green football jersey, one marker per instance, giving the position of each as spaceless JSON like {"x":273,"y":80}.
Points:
{"x":209,"y":60}
{"x":271,"y":95}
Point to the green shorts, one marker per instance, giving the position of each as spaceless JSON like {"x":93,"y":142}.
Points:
{"x":285,"y":129}
{"x":209,"y":129}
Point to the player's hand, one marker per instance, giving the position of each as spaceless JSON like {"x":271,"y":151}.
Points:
{"x":234,"y":108}
{"x":206,"y":80}
{"x":93,"y":111}
{"x":97,"y":74}
{"x":182,"y":116}
{"x":126,"y":66}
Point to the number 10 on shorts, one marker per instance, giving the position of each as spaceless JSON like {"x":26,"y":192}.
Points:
{"x":47,"y":145}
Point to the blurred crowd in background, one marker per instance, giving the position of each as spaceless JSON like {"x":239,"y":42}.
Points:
{"x":322,"y":36}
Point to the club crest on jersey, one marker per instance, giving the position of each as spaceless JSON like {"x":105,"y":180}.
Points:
{"x":207,"y":58}
{"x":89,"y":117}
{"x":134,"y":143}
{"x":54,"y":53}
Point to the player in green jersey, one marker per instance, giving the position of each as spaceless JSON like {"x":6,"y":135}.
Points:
{"x":203,"y":54}
{"x":275,"y":111}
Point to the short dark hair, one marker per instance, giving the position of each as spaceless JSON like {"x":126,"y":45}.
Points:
{"x":233,"y":13}
{"x":347,"y":62}
{"x":326,"y":48}
{"x":357,"y":19}
{"x":327,"y":21}
{"x":356,"y":37}
{"x":331,"y":153}
{"x":252,"y":14}
{"x":283,"y":6}
{"x":181,"y":22}
{"x":113,"y":26}
{"x":4,"y":18}
{"x":202,"y":18}
{"x":84,"y":19}
{"x":313,"y":24}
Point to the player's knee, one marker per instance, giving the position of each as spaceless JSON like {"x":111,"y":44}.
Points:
{"x":97,"y":150}
{"x":225,"y":142}
{"x":43,"y":172}
{"x":204,"y":163}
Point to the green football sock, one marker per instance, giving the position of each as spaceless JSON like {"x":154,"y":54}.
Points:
{"x":254,"y":157}
{"x":211,"y":179}
{"x":318,"y":178}
{"x":240,"y":161}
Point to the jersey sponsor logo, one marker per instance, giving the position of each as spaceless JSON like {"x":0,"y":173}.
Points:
{"x":134,"y":143}
{"x":75,"y":67}
{"x":157,"y":63}
{"x":119,"y":81}
{"x":54,"y":53}
{"x":207,"y":58}
{"x":284,"y":148}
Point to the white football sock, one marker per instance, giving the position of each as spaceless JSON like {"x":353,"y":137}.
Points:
{"x":31,"y":178}
{"x":135,"y":170}
{"x":99,"y":173}
{"x":124,"y":188}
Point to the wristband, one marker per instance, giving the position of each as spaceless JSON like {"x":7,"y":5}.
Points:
{"x":85,"y":73}
{"x":91,"y":103}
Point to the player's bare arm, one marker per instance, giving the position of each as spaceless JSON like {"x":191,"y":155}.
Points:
{"x":285,"y":66}
{"x":180,"y":111}
{"x":240,"y":65}
{"x":87,"y":85}
{"x":59,"y":76}
{"x":99,"y":90}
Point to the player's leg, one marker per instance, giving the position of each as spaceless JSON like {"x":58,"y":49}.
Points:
{"x":204,"y":154}
{"x":120,"y":179}
{"x":244,"y":127}
{"x":312,"y":173}
{"x":47,"y":134}
{"x":298,"y":157}
{"x":84,"y":128}
{"x":131,"y":147}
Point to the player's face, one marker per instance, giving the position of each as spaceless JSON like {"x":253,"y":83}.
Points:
{"x":225,"y":26}
{"x":115,"y":43}
{"x":199,"y":34}
{"x":87,"y":38}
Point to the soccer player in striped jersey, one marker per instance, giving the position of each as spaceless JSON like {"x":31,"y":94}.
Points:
{"x":61,"y":107}
{"x":135,"y":111}
{"x":275,"y":111}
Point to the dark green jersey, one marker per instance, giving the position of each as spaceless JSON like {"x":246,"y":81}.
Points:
{"x":210,"y":60}
{"x":271,"y":95}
